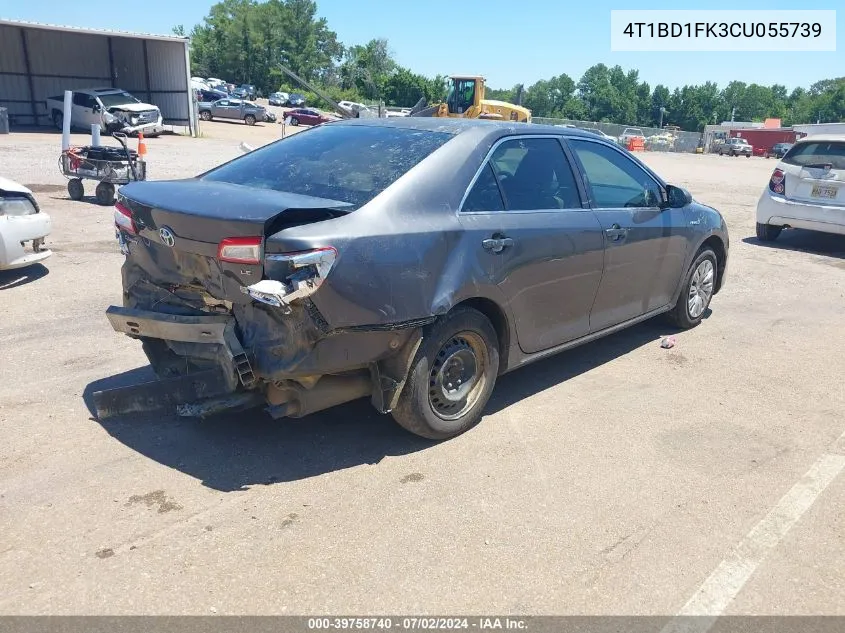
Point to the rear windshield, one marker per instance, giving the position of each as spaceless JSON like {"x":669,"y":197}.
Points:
{"x":817,"y":153}
{"x":351,"y":163}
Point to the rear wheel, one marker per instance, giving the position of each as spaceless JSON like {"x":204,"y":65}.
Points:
{"x":59,"y":120}
{"x":249,"y":119}
{"x":294,"y":121}
{"x":699,"y":284}
{"x":205,"y":115}
{"x":75,"y":189}
{"x":452,"y":377}
{"x":768,"y":232}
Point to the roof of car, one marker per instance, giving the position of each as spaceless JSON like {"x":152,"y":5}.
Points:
{"x":455,"y":126}
{"x":824,"y":138}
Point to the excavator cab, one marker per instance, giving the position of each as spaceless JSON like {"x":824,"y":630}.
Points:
{"x":464,"y":93}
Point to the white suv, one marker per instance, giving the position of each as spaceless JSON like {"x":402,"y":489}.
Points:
{"x":806,"y":189}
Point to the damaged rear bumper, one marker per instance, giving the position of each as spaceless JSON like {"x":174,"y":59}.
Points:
{"x":343,"y":367}
{"x":226,"y":386}
{"x":218,"y":330}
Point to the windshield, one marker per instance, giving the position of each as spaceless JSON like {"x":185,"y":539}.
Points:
{"x":351,"y":163}
{"x":817,"y":154}
{"x":117,"y":98}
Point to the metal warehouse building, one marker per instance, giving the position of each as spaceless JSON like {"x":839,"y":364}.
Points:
{"x":41,"y":60}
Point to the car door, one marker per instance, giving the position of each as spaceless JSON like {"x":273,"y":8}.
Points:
{"x":536,"y":240}
{"x":82,"y":111}
{"x":645,"y":240}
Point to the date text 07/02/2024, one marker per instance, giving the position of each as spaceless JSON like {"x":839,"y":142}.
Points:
{"x":417,"y":624}
{"x":724,"y":29}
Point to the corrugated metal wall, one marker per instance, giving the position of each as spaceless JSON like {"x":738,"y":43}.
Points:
{"x":152,"y":70}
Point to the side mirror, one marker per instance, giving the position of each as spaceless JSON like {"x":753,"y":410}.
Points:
{"x":677,"y":197}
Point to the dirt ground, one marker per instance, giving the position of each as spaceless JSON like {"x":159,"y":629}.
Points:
{"x":618,"y":478}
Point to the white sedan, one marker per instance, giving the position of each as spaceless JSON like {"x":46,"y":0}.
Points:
{"x":21,"y":223}
{"x":806,"y":189}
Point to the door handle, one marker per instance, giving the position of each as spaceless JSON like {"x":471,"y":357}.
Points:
{"x":497,"y":244}
{"x":616,"y":233}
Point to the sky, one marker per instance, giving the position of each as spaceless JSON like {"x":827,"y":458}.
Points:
{"x":506,"y":41}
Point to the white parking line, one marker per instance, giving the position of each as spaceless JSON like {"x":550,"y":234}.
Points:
{"x":729,"y":577}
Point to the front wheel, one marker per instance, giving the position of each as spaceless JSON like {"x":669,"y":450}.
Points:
{"x":294,"y":121}
{"x":75,"y":189}
{"x":205,"y":115}
{"x":697,"y":291}
{"x":249,"y":119}
{"x":59,"y":120}
{"x":452,"y":377}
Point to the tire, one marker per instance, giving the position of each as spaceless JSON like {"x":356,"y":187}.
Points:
{"x":768,"y":232}
{"x":75,"y":189}
{"x":459,"y":340}
{"x":105,"y":194}
{"x":59,"y":120}
{"x":294,"y":121}
{"x":701,"y":281}
{"x":205,"y":115}
{"x":249,"y":119}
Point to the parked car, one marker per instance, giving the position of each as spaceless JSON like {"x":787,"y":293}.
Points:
{"x":779,"y":150}
{"x":21,"y":222}
{"x":248,"y":112}
{"x":290,"y":273}
{"x":296,"y":100}
{"x":246,"y":91}
{"x":806,"y":190}
{"x":736,"y":147}
{"x":630,"y":133}
{"x":278,"y":99}
{"x":306,"y":116}
{"x":108,"y":107}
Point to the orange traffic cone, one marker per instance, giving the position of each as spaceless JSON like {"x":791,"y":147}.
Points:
{"x":142,"y":147}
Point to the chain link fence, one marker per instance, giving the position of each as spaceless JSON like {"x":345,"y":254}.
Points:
{"x":656,"y":140}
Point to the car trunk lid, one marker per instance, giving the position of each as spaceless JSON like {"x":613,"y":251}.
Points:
{"x":815,"y":173}
{"x":181,"y":224}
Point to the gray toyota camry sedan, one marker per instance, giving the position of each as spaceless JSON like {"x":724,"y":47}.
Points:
{"x":411,"y":261}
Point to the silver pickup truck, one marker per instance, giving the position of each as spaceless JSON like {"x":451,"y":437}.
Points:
{"x":230,"y":108}
{"x":112,"y":108}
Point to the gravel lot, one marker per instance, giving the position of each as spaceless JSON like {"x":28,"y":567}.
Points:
{"x":612,"y":479}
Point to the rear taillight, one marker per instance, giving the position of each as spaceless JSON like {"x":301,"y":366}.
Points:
{"x":305,"y":273}
{"x":240,"y":250}
{"x":777,"y":181}
{"x":123,"y":218}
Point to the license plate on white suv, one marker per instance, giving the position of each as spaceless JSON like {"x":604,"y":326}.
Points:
{"x":820,"y":191}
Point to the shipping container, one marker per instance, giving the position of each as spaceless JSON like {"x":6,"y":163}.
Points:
{"x":764,"y":139}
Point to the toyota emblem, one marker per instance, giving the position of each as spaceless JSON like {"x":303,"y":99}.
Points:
{"x":167,"y":237}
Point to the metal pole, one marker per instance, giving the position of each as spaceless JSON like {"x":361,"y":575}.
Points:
{"x":66,"y":114}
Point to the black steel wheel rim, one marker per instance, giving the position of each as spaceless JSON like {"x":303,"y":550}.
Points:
{"x":457,"y":376}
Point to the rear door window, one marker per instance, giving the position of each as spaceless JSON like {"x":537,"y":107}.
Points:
{"x":817,"y":154}
{"x":534,"y":174}
{"x":351,"y":163}
{"x":485,"y":194}
{"x":80,"y":99}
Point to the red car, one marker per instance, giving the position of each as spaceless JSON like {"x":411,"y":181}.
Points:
{"x":307,"y":116}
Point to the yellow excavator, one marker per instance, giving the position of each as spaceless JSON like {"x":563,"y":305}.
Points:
{"x":466,"y":101}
